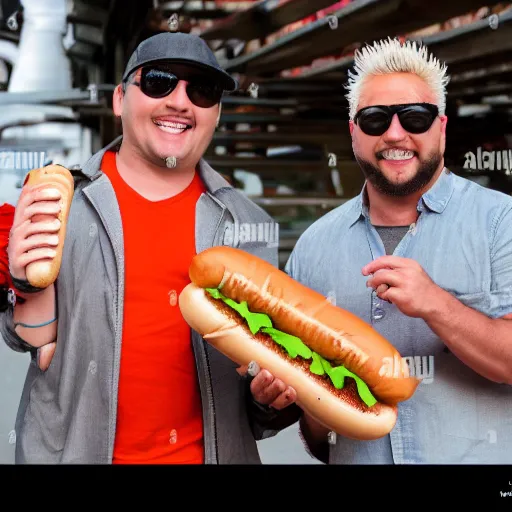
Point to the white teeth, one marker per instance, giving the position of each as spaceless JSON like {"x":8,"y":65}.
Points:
{"x":171,"y":125}
{"x":168,"y":127}
{"x":397,"y":154}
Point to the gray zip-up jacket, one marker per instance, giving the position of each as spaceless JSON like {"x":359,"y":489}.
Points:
{"x":67,"y":414}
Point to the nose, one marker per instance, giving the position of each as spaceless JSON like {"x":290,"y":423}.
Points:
{"x":178,"y":98}
{"x":395,"y":132}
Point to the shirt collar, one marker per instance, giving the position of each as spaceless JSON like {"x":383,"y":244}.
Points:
{"x":435,"y":199}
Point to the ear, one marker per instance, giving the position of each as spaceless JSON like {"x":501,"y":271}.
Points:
{"x":117,"y":101}
{"x":351,"y":126}
{"x":444,"y":121}
{"x":218,"y":116}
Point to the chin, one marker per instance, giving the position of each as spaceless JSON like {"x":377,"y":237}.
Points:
{"x":392,"y":170}
{"x":162,"y":151}
{"x":402,"y":172}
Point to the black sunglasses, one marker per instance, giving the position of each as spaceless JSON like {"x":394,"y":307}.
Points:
{"x":158,"y":82}
{"x":414,"y":117}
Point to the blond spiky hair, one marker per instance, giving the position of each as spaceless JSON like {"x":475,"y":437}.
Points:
{"x":391,"y":56}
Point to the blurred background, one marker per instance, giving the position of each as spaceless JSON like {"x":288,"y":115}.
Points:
{"x":283,"y":138}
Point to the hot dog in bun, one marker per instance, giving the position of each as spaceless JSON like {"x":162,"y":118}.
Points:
{"x":337,"y":363}
{"x":42,"y":273}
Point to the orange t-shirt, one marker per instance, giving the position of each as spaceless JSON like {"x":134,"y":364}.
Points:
{"x":159,"y":418}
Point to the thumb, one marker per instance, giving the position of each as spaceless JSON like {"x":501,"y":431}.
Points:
{"x":45,"y":355}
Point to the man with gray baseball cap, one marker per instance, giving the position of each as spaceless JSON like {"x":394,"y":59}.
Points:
{"x":181,"y":49}
{"x":181,"y":68}
{"x":123,"y":379}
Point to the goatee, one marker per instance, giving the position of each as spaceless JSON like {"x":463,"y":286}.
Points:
{"x":423,"y":176}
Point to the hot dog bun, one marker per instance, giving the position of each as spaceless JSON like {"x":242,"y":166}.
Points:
{"x":239,"y":345}
{"x":43,"y":273}
{"x":335,"y":334}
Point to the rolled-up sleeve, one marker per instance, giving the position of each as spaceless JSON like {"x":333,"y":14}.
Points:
{"x":499,"y":302}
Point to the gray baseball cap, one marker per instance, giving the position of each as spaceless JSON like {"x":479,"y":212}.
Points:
{"x":180,"y":48}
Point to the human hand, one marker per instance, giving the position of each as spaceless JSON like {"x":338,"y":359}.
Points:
{"x":32,"y":237}
{"x":45,"y":355}
{"x":403,"y":282}
{"x":267,"y":389}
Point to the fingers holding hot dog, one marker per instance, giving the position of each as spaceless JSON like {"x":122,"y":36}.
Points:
{"x":36,"y":199}
{"x":39,"y":227}
{"x":34,"y":233}
{"x":269,"y":390}
{"x":42,"y":226}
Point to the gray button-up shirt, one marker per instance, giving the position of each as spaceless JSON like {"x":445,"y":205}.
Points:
{"x":463,"y":240}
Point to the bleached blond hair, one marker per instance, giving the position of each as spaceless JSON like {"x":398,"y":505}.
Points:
{"x":393,"y":56}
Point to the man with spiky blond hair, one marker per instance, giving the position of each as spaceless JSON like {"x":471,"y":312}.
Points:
{"x":425,"y":257}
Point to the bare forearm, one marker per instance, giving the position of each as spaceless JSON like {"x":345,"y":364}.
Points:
{"x":483,"y":344}
{"x":38,"y":308}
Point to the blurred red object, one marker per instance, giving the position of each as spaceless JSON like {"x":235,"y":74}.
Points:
{"x":332,"y":8}
{"x":6,"y":220}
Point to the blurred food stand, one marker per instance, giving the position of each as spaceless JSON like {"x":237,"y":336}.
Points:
{"x":283,"y":137}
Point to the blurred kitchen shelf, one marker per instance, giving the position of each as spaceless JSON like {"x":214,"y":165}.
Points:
{"x":262,"y":19}
{"x":361,"y":21}
{"x":66,"y":98}
{"x":271,"y":118}
{"x":462,"y":44}
{"x":276,"y":138}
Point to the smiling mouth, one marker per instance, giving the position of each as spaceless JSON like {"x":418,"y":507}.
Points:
{"x":172,"y":128}
{"x":396,"y":155}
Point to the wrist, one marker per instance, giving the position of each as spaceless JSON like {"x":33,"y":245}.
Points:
{"x":35,"y":320}
{"x":34,"y":308}
{"x":23,"y":288}
{"x":23,"y":296}
{"x":439,"y":306}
